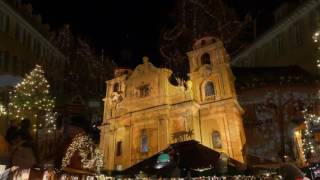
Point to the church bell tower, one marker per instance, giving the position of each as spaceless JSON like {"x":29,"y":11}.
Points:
{"x":220,"y":115}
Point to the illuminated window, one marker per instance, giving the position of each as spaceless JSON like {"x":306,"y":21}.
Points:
{"x":119,"y":148}
{"x":205,"y":59}
{"x":209,"y":89}
{"x":144,"y":141}
{"x":216,"y":140}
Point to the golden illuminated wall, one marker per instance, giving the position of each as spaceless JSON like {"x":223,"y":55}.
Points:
{"x":144,"y":112}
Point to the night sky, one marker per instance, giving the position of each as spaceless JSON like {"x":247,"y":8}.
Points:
{"x":118,"y":25}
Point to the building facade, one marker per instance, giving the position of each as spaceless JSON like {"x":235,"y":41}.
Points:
{"x":288,"y":42}
{"x":273,"y":99}
{"x":273,"y":110}
{"x":144,"y":112}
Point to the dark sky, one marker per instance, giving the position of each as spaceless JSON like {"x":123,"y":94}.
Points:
{"x":123,"y":24}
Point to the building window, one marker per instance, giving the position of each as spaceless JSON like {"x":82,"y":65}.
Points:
{"x":144,"y":141}
{"x":4,"y":22}
{"x":6,"y":61}
{"x":7,"y":24}
{"x":278,"y":45}
{"x":116,"y":87}
{"x":216,"y":140}
{"x":119,"y":148}
{"x":209,"y":89}
{"x":2,"y":60}
{"x":144,"y":90}
{"x":28,"y":43}
{"x":297,"y":31}
{"x":19,"y":32}
{"x":205,"y":59}
{"x":14,"y":65}
{"x":2,"y":18}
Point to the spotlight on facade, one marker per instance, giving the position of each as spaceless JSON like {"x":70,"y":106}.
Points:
{"x":162,"y":161}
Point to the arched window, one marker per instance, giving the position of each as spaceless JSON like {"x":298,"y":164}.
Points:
{"x":216,"y":140}
{"x":205,"y":59}
{"x":144,"y":141}
{"x":209,"y":89}
{"x":116,"y":87}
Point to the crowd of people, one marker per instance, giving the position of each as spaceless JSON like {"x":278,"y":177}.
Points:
{"x":21,"y":144}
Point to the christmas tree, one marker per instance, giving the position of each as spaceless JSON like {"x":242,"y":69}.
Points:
{"x":31,"y":99}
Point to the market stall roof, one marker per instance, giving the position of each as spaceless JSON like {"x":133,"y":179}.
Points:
{"x":77,"y":171}
{"x":183,"y":155}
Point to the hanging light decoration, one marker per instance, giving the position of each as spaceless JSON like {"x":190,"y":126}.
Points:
{"x":91,"y":156}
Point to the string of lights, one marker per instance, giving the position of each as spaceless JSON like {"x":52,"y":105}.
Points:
{"x":310,"y":120}
{"x":91,"y":156}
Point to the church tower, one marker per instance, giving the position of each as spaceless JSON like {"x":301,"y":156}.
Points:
{"x":220,"y":115}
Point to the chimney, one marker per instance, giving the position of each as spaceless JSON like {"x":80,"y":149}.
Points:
{"x":38,"y":19}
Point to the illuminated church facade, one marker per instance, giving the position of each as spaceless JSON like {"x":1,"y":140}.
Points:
{"x":144,"y":112}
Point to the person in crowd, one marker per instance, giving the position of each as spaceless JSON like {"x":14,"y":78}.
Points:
{"x":12,"y":132}
{"x":24,"y":151}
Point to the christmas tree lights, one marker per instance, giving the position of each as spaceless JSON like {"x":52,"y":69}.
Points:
{"x":31,"y":99}
{"x":308,"y":135}
{"x":311,"y":120}
{"x":3,"y":110}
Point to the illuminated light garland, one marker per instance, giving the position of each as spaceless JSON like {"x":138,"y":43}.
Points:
{"x":91,"y":156}
{"x":308,"y":136}
{"x":31,"y":99}
{"x":310,"y":120}
{"x":3,"y":110}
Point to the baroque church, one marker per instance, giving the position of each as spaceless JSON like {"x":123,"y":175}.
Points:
{"x":144,"y":113}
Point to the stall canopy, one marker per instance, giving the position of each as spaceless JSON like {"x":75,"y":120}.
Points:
{"x":187,"y":156}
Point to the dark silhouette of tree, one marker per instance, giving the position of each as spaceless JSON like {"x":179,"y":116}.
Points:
{"x":85,"y":70}
{"x":194,"y":19}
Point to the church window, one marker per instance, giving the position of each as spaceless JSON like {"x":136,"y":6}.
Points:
{"x":216,"y":140}
{"x":205,"y":59}
{"x":144,"y":141}
{"x":119,"y":148}
{"x":116,"y":87}
{"x":209,"y":89}
{"x":144,"y":90}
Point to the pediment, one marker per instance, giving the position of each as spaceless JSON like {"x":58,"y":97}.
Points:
{"x":144,"y":70}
